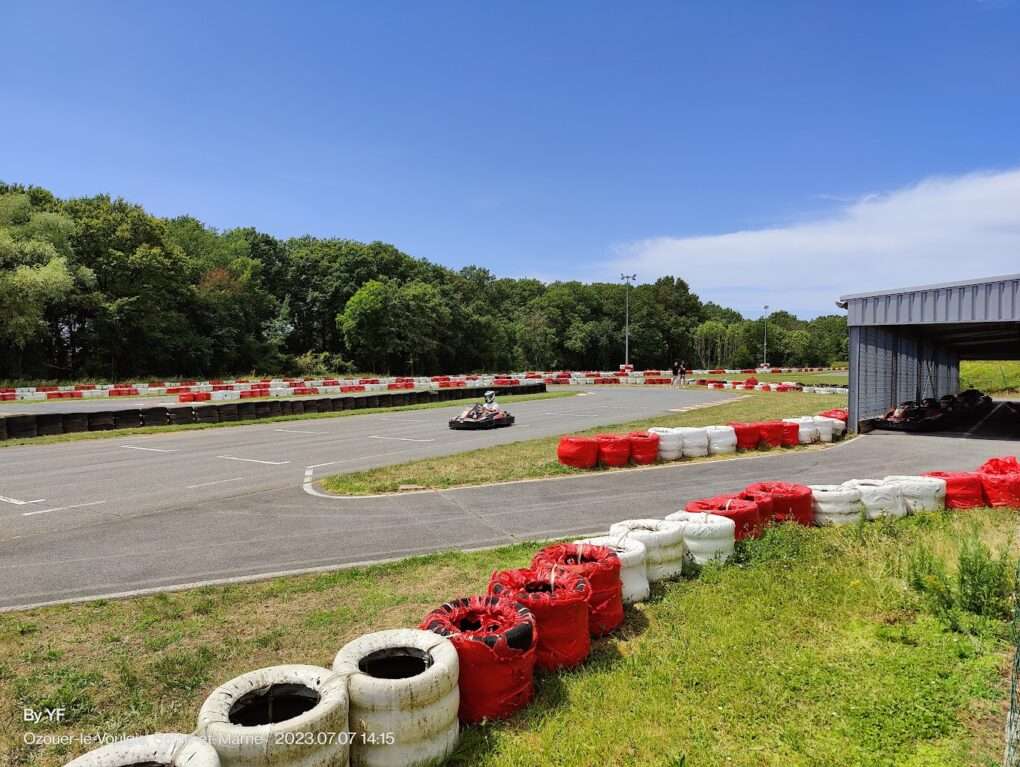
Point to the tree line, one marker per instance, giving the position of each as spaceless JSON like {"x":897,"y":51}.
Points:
{"x":97,"y":287}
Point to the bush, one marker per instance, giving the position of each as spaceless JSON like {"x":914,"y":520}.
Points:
{"x":984,"y":582}
{"x":322,"y":364}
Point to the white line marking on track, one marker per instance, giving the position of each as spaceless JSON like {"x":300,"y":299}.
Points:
{"x":62,"y":508}
{"x":16,"y":502}
{"x":401,"y":439}
{"x":299,"y":431}
{"x":214,"y":482}
{"x":981,"y":423}
{"x":149,"y":449}
{"x":252,"y":460}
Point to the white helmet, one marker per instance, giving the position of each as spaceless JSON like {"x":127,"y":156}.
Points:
{"x":490,"y":395}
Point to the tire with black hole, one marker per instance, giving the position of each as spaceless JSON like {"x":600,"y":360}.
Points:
{"x":286,"y":407}
{"x":163,"y":749}
{"x":403,"y":682}
{"x":372,"y":401}
{"x":280,"y":716}
{"x":263,"y":410}
{"x":227,"y":412}
{"x":275,"y":408}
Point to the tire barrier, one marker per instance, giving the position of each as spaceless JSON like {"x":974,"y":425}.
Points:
{"x":791,"y":434}
{"x":790,"y":502}
{"x":840,"y":414}
{"x":838,"y":426}
{"x":560,"y":606}
{"x":721,"y":440}
{"x":807,"y":431}
{"x":664,"y":545}
{"x":101,"y":421}
{"x":764,"y":501}
{"x":246,"y":411}
{"x":671,"y":443}
{"x":744,"y":514}
{"x":578,"y":452}
{"x":207,"y":414}
{"x":404,"y":682}
{"x":601,"y":566}
{"x":880,"y":499}
{"x":495,"y":640}
{"x":614,"y":450}
{"x":3,"y":428}
{"x":824,"y":427}
{"x":49,"y":424}
{"x":708,"y":537}
{"x":154,"y":416}
{"x":920,"y":493}
{"x":771,"y":433}
{"x":127,"y":419}
{"x":836,"y":504}
{"x":1000,"y":481}
{"x":748,"y":435}
{"x":273,"y":716}
{"x":180,"y":415}
{"x":695,"y":441}
{"x":644,"y":447}
{"x":963,"y":488}
{"x":161,"y":749}
{"x":633,"y":571}
{"x":228,"y":413}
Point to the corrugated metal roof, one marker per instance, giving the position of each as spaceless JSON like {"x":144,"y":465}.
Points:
{"x":992,"y":299}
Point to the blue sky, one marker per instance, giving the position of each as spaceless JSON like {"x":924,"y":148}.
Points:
{"x":721,"y":142}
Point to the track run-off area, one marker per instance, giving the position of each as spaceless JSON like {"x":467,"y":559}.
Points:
{"x":113,"y":517}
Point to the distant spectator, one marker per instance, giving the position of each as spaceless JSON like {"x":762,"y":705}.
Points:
{"x":676,"y":373}
{"x":683,"y":373}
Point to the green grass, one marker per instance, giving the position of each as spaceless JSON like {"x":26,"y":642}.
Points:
{"x":812,"y":650}
{"x":990,"y":377}
{"x":536,"y":458}
{"x":119,"y":433}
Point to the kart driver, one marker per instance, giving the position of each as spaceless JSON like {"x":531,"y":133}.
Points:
{"x":490,"y":405}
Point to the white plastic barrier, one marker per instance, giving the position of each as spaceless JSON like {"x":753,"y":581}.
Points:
{"x":239,"y":721}
{"x":721,"y":440}
{"x":708,"y":537}
{"x":920,"y":493}
{"x":807,"y":432}
{"x":670,"y":443}
{"x":633,"y":570}
{"x":403,"y":682}
{"x":836,"y":504}
{"x":166,"y":749}
{"x":663,"y":541}
{"x":880,"y":499}
{"x":695,"y":441}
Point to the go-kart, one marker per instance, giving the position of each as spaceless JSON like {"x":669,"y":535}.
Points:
{"x":477,"y":417}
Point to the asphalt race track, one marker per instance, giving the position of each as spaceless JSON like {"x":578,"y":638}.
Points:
{"x":232,"y":503}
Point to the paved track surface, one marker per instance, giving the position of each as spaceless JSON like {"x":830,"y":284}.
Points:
{"x":63,"y":506}
{"x":152,"y":532}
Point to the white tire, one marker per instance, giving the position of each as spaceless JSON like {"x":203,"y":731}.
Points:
{"x":824,"y":427}
{"x":402,"y":682}
{"x":880,"y":499}
{"x":920,"y":493}
{"x":664,"y":545}
{"x":633,"y":570}
{"x":708,"y":537}
{"x":670,"y":443}
{"x":721,"y":440}
{"x":836,"y":504}
{"x":838,"y":425}
{"x":807,"y":432}
{"x":168,"y":749}
{"x":316,"y":695}
{"x":695,"y":441}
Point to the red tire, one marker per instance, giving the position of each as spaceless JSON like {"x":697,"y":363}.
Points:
{"x":964,"y":489}
{"x":772,"y":433}
{"x":791,"y":434}
{"x":748,"y":435}
{"x":790,"y":502}
{"x":601,"y":567}
{"x":614,"y":450}
{"x":644,"y":447}
{"x":579,"y":452}
{"x":744,"y":513}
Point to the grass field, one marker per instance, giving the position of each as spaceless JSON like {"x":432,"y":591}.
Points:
{"x":535,"y":458}
{"x":992,"y":377}
{"x":120,"y":433}
{"x":812,"y":650}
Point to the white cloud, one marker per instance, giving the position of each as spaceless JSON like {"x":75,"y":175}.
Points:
{"x":941,"y":229}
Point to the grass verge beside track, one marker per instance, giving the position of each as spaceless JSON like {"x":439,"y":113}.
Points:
{"x":812,"y":649}
{"x":119,"y":433}
{"x":536,"y":458}
{"x":991,"y":377}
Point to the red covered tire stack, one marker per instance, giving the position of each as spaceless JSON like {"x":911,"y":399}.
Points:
{"x":744,"y":513}
{"x":614,"y":450}
{"x":601,"y":567}
{"x":578,"y":452}
{"x":790,"y":502}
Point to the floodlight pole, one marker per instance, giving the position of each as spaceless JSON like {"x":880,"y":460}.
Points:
{"x":626,"y":327}
{"x":765,"y":346}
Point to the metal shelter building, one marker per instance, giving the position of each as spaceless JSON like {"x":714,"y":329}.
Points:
{"x":907,"y":344}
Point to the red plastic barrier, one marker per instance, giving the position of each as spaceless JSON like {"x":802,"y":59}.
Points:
{"x":766,"y":506}
{"x":614,"y":450}
{"x":1006,"y":464}
{"x":560,"y":607}
{"x":202,"y":396}
{"x":791,"y":434}
{"x":495,"y":640}
{"x":840,"y":412}
{"x":644,"y":447}
{"x":748,"y":435}
{"x":963,"y":489}
{"x":579,"y":452}
{"x":1000,"y":481}
{"x":766,"y":387}
{"x":186,"y":397}
{"x":744,"y":513}
{"x":601,"y":567}
{"x":791,"y":502}
{"x":354,"y":388}
{"x":772,"y":432}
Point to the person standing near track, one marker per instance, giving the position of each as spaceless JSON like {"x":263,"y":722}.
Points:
{"x":676,"y":373}
{"x":683,"y":373}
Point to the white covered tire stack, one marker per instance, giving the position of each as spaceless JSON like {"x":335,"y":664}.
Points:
{"x":920,"y":493}
{"x":633,"y":570}
{"x":663,"y":541}
{"x":880,"y":499}
{"x":670,"y":443}
{"x":708,"y":537}
{"x":695,"y":441}
{"x":402,"y":682}
{"x":247,"y":719}
{"x":171,"y":750}
{"x":807,"y":431}
{"x":721,"y":440}
{"x":836,"y":504}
